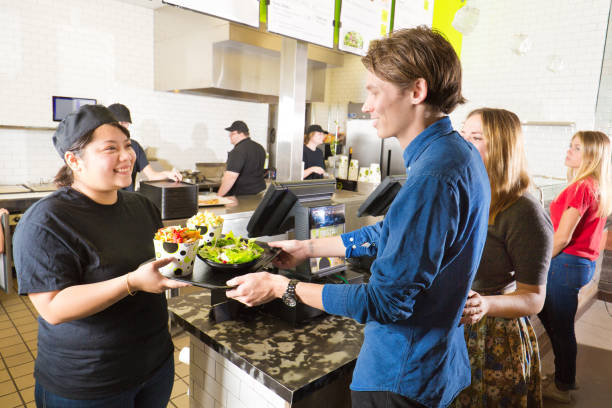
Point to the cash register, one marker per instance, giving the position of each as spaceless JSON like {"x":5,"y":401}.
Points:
{"x":306,"y":210}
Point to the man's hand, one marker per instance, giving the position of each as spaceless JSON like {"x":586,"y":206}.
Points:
{"x":294,"y":253}
{"x":257,"y":288}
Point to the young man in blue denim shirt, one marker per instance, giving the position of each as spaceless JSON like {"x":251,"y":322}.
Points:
{"x":427,"y":248}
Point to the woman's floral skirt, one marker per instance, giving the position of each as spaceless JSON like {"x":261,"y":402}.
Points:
{"x":505,"y":364}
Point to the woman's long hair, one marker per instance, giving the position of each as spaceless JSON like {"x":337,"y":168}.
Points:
{"x":596,"y":165}
{"x":65,"y":176}
{"x":505,"y":160}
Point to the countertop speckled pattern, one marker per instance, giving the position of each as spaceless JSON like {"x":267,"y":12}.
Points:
{"x":290,"y":360}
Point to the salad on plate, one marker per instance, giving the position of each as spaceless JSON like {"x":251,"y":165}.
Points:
{"x":231,"y":250}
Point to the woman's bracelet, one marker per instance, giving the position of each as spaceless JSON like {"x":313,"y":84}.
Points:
{"x":127,"y":284}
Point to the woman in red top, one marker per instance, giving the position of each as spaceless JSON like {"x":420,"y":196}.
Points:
{"x":578,"y":215}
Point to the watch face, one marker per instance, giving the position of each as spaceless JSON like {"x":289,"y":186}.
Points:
{"x":289,"y":300}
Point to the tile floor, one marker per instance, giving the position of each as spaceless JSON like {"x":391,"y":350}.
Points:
{"x":18,"y":331}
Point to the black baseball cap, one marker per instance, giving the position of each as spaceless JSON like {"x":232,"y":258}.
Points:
{"x":121,"y":112}
{"x":315,"y":128}
{"x":238,"y":126}
{"x":76,"y":124}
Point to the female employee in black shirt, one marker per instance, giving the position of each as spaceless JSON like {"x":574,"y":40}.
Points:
{"x":314,"y":165}
{"x":103,"y":337}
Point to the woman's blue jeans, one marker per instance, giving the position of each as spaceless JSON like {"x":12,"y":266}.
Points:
{"x":153,"y":393}
{"x":567,"y":274}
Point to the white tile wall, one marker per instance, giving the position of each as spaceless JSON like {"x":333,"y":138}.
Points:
{"x":493,"y":75}
{"x":215,"y":382}
{"x":101,"y":50}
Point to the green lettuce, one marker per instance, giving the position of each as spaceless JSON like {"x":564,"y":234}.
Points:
{"x":231,"y":250}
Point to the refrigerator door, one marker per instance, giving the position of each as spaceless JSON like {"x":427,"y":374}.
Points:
{"x":392,"y":150}
{"x":362,"y":137}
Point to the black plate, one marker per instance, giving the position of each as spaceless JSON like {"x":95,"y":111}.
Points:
{"x":210,"y":277}
{"x":229,"y":266}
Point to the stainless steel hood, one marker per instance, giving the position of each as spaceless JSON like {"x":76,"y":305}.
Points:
{"x":199,"y":54}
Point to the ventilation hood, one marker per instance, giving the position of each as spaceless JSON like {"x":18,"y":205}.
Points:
{"x":199,"y":54}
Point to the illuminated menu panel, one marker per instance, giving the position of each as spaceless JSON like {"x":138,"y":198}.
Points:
{"x":240,"y":11}
{"x":362,"y":21}
{"x":412,"y":13}
{"x":307,"y":20}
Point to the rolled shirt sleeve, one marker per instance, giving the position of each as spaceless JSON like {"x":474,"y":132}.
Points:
{"x":411,"y":243}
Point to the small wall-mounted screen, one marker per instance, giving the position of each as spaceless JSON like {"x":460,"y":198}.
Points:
{"x":63,"y":105}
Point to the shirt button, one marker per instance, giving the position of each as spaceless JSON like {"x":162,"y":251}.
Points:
{"x":354,"y":246}
{"x":351,"y":239}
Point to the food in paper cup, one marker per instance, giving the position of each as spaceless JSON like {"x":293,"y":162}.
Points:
{"x":180,"y":243}
{"x":209,"y":225}
{"x":231,"y":250}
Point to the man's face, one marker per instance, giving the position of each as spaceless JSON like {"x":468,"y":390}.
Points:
{"x":389,"y":106}
{"x":234,"y":136}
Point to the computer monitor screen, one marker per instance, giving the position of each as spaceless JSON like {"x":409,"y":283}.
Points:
{"x":63,"y":105}
{"x":379,"y":201}
{"x":271,"y":217}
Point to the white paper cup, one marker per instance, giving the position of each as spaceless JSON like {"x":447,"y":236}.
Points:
{"x":208,"y":233}
{"x":184,"y":253}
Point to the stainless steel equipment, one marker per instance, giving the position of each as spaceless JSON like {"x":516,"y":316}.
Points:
{"x":368,"y":148}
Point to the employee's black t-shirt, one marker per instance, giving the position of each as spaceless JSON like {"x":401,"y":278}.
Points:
{"x":313,"y":158}
{"x":248,"y":159}
{"x":67,"y":239}
{"x":140,"y":163}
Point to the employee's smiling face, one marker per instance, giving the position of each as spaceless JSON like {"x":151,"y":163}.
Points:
{"x":389,"y":106}
{"x":105,"y":164}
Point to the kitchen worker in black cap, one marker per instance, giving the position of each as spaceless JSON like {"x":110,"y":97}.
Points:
{"x":314,"y":164}
{"x":82,"y":256}
{"x":244,"y":173}
{"x":122,"y":113}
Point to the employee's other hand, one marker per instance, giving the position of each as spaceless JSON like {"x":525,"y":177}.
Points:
{"x":257,"y":288}
{"x":476,"y":307}
{"x":147,"y":277}
{"x":294,"y":253}
{"x":174,"y":174}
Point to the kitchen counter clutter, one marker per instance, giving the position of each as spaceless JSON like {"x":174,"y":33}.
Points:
{"x":261,"y":360}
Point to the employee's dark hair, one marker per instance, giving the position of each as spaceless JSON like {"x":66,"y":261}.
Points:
{"x":420,"y":52}
{"x":64,"y":176}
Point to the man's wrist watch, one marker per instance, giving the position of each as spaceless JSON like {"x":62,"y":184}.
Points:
{"x":289,"y":297}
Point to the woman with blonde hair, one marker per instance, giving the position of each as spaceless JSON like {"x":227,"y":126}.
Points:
{"x":578,"y":214}
{"x":314,"y":164}
{"x":511,"y":279}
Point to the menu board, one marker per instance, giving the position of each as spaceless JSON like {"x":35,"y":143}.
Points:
{"x":240,"y":11}
{"x":362,"y":21}
{"x":307,"y":20}
{"x":412,"y":13}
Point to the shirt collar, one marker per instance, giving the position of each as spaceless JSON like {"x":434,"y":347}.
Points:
{"x":425,"y":138}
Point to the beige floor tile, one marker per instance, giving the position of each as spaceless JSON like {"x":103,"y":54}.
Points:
{"x":171,"y":405}
{"x":181,"y":341}
{"x":10,"y":341}
{"x":7,"y":387}
{"x":21,"y":313}
{"x":10,"y":300}
{"x":18,"y":359}
{"x":181,"y":401}
{"x":4,"y":376}
{"x":22,"y":369}
{"x":5,"y":324}
{"x":14,"y":349}
{"x":22,"y":321}
{"x":29,"y":336}
{"x":32,"y":345}
{"x":24,"y":382}
{"x":182,"y":370}
{"x":3,"y":316}
{"x":31,"y":404}
{"x":10,"y":401}
{"x":15,"y":307}
{"x":26,"y":328}
{"x":179,"y":388}
{"x":34,"y":352}
{"x":27,"y":394}
{"x":11,"y":332}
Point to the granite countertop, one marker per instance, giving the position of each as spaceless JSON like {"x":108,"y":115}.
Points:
{"x":292,"y":360}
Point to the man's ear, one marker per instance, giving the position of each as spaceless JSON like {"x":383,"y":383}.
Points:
{"x":72,"y":161}
{"x":419,"y":91}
